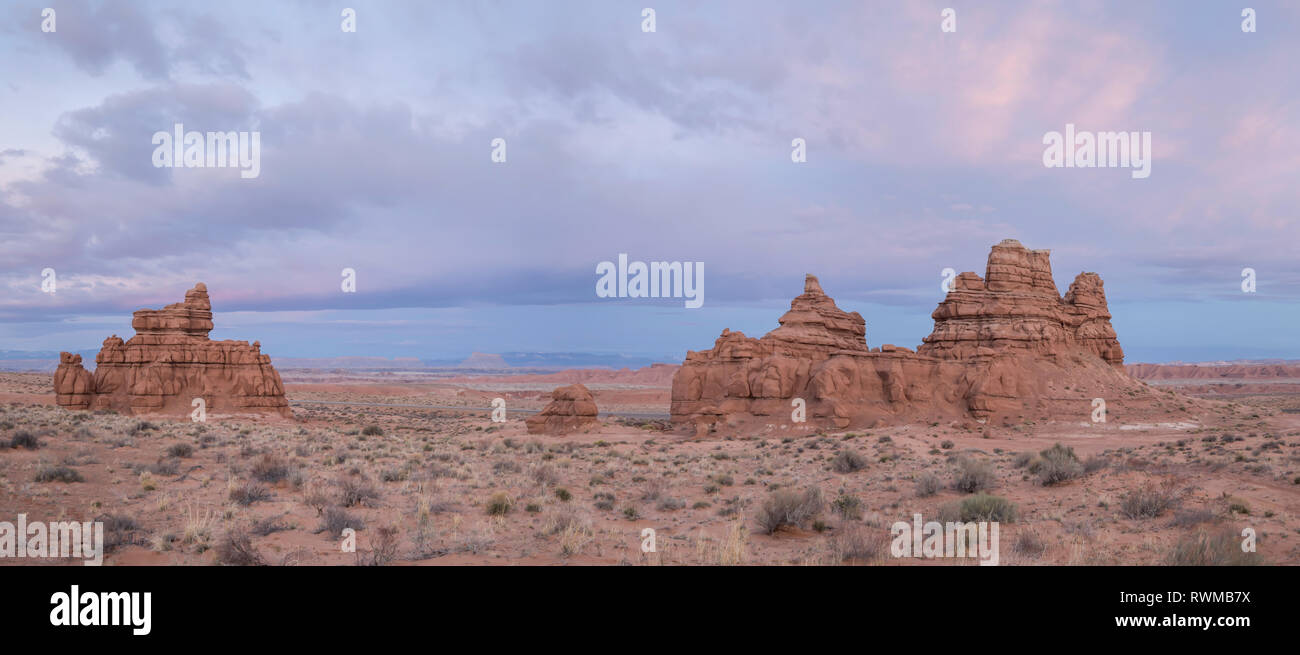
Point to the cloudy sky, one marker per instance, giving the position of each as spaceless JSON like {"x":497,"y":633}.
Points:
{"x":924,"y":148}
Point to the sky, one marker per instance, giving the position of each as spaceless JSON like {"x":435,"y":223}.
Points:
{"x":923,"y":149}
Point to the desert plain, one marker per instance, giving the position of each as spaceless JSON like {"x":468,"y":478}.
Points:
{"x":1172,"y":481}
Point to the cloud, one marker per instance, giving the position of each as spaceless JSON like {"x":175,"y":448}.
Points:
{"x":924,"y":150}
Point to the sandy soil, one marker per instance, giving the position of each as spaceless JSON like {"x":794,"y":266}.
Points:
{"x":437,"y":487}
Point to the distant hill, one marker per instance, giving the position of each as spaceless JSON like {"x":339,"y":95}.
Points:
{"x":29,"y":360}
{"x":485,"y":361}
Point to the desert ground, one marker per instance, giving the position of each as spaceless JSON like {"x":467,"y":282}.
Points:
{"x":418,"y":469}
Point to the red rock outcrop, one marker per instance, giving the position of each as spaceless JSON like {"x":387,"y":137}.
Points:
{"x":571,"y":409}
{"x":168,"y":363}
{"x":1017,"y":307}
{"x":1006,"y":346}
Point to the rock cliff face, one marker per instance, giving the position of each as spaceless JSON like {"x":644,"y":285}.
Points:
{"x":168,"y":363}
{"x":571,"y":409}
{"x":1005,"y":347}
{"x":1017,"y":307}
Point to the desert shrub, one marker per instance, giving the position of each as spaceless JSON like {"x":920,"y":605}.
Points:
{"x":373,"y":431}
{"x":270,"y":469}
{"x":166,"y":466}
{"x":358,"y":491}
{"x":667,"y":504}
{"x":847,"y":507}
{"x":1095,"y":463}
{"x":335,"y":520}
{"x":180,"y":450}
{"x":984,"y":507}
{"x":24,"y":439}
{"x":385,"y":549}
{"x":1203,"y":548}
{"x":140,"y":428}
{"x":1149,"y":501}
{"x":563,"y":494}
{"x":786,"y":507}
{"x":119,"y":530}
{"x":858,"y":542}
{"x":1059,"y":464}
{"x":564,"y":518}
{"x":268,"y":525}
{"x":947,"y":444}
{"x":654,"y":489}
{"x":49,"y":473}
{"x":505,"y":466}
{"x":1029,"y":544}
{"x":499,"y":504}
{"x":928,"y":484}
{"x":1190,"y":518}
{"x":394,"y":475}
{"x":248,"y":493}
{"x":236,"y":549}
{"x":1023,"y":459}
{"x":973,"y":475}
{"x":848,"y":461}
{"x":544,"y":475}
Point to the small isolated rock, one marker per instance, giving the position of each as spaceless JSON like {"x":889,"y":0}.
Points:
{"x":571,"y":409}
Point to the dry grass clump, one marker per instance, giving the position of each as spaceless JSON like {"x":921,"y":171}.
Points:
{"x":784,"y":507}
{"x":927,"y":484}
{"x":848,"y":461}
{"x":236,"y":549}
{"x":57,"y":473}
{"x":973,"y":476}
{"x":248,"y":493}
{"x":24,"y":439}
{"x":1150,"y":500}
{"x":335,"y":520}
{"x":1056,"y":465}
{"x":1205,"y":548}
{"x":858,"y":543}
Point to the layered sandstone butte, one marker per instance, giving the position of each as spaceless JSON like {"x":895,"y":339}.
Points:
{"x":168,"y":363}
{"x":571,"y":409}
{"x":1007,"y":346}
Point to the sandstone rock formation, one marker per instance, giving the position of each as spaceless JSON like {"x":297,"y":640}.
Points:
{"x":168,"y":363}
{"x":571,"y":409}
{"x":1004,"y":347}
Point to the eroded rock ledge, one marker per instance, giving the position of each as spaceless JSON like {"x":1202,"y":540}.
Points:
{"x":168,"y":363}
{"x":1006,"y":346}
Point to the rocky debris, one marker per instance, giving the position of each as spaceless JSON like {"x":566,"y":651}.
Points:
{"x":168,"y":363}
{"x":571,"y":409}
{"x":1004,"y":347}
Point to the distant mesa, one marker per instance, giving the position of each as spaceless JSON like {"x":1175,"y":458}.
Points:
{"x":484,"y":361}
{"x":572,"y":409}
{"x":1005,"y":347}
{"x":168,"y":363}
